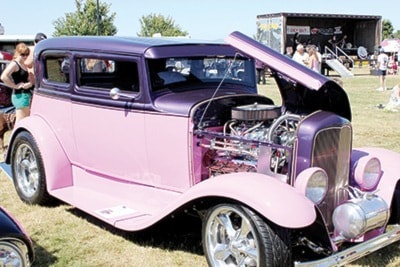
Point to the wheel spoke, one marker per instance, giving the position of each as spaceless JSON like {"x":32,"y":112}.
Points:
{"x":249,"y":254}
{"x":244,"y":230}
{"x":222,"y":252}
{"x":225,"y":221}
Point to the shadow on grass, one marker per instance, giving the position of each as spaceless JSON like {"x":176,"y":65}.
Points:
{"x":42,"y":257}
{"x":181,"y":232}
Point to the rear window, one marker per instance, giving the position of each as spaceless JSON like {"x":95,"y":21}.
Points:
{"x":57,"y":69}
{"x":107,"y":73}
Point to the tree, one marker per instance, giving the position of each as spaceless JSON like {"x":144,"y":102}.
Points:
{"x":84,"y":20}
{"x":158,"y":24}
{"x":387,"y":29}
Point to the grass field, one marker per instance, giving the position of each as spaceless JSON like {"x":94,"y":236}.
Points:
{"x":64,"y":236}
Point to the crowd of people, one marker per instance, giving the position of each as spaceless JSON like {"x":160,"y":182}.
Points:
{"x":308,"y":55}
{"x":19,"y":77}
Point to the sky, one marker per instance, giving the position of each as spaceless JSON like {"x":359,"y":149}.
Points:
{"x":205,"y":19}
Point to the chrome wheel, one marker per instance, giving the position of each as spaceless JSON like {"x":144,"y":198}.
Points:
{"x":26,"y":170}
{"x":230,"y":238}
{"x":13,"y":254}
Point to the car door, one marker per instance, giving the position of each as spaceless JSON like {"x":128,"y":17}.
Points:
{"x":108,"y":132}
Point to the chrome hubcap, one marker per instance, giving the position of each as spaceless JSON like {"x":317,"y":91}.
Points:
{"x":26,"y":170}
{"x":230,"y":239}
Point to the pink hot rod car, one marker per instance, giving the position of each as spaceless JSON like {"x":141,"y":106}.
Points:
{"x":132,"y":130}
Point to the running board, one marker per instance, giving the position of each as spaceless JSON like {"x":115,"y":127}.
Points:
{"x":125,"y":205}
{"x":356,"y":252}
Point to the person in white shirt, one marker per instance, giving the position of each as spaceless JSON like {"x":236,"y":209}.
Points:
{"x":300,"y":55}
{"x":381,"y":66}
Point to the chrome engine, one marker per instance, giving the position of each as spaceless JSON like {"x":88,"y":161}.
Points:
{"x":250,"y":125}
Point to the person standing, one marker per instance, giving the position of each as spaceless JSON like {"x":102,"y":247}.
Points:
{"x":314,"y":61}
{"x":381,"y":66}
{"x":334,"y":43}
{"x":295,"y":42}
{"x":16,"y":76}
{"x":300,"y":55}
{"x":29,"y":60}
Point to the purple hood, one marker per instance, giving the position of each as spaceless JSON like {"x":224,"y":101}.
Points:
{"x":302,"y":89}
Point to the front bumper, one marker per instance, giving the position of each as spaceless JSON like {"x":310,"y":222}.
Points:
{"x":353,"y":253}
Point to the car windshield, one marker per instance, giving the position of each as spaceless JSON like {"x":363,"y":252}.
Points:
{"x":186,"y":73}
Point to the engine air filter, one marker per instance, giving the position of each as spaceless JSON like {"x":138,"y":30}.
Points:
{"x":256,"y":112}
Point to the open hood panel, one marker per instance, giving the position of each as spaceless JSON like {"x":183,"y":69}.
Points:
{"x":303,"y":90}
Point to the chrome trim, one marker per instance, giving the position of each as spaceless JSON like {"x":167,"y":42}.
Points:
{"x":356,"y":252}
{"x":332,"y":152}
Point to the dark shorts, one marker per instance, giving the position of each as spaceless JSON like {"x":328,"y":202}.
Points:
{"x":381,"y":72}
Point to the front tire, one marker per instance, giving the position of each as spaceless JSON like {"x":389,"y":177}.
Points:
{"x":13,"y":254}
{"x":233,"y":235}
{"x":28,"y":170}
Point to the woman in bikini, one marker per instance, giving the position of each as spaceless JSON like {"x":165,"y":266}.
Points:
{"x":16,"y":76}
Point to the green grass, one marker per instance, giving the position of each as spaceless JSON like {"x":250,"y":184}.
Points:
{"x":64,"y":236}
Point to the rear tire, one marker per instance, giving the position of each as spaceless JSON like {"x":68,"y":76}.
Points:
{"x":233,"y":235}
{"x":28,"y":170}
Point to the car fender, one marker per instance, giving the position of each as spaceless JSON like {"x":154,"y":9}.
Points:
{"x":56,"y":163}
{"x":12,"y":229}
{"x":390,"y":174}
{"x":273,"y":199}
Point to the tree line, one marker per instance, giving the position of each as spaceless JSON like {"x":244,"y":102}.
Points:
{"x":92,"y":19}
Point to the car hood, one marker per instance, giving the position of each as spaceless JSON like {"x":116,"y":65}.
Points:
{"x":181,"y":103}
{"x":303,"y":90}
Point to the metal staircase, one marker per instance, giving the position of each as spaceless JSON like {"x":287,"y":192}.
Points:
{"x":336,"y":63}
{"x":337,"y":66}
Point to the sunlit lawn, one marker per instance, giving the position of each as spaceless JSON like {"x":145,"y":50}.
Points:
{"x":64,"y":236}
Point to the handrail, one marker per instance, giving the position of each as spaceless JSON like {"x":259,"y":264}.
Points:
{"x":327,"y":49}
{"x":335,"y":54}
{"x":345,"y":55}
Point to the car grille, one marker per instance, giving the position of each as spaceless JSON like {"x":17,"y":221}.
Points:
{"x":331,"y":152}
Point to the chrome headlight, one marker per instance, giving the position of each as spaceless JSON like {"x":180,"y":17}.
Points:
{"x":313,"y":183}
{"x":367,"y":172}
{"x":12,"y":255}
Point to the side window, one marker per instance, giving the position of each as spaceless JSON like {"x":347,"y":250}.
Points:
{"x":101,"y":73}
{"x":57,"y":69}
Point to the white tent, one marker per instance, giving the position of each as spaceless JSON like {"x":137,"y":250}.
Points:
{"x":391,"y":45}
